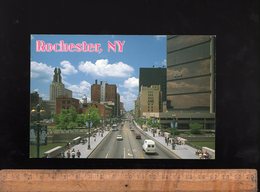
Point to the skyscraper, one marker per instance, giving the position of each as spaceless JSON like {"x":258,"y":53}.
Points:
{"x":153,"y":76}
{"x":150,"y":99}
{"x":191,"y":72}
{"x":57,"y":89}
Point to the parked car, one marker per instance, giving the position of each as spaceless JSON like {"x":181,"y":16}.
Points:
{"x":119,"y":137}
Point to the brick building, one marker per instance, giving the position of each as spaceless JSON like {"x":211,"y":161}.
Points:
{"x":63,"y":102}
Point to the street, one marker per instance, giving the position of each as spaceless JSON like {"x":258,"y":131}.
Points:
{"x":129,"y":147}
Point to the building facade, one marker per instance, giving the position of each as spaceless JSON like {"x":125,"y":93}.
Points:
{"x":191,"y":76}
{"x":153,"y":76}
{"x":64,"y":102}
{"x":57,"y":89}
{"x":106,"y":93}
{"x":150,"y":100}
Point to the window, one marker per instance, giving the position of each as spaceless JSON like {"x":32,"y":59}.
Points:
{"x":196,"y":68}
{"x":198,"y":84}
{"x":199,"y":101}
{"x":189,"y":54}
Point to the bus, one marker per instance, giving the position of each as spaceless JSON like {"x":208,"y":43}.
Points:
{"x":114,"y":127}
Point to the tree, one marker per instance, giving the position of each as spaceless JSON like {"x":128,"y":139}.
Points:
{"x":92,"y":114}
{"x":80,"y":120}
{"x":195,"y":128}
{"x":66,"y":119}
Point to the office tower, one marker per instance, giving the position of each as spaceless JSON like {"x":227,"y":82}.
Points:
{"x":191,"y":72}
{"x":153,"y":76}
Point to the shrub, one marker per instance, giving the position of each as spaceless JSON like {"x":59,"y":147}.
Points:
{"x":195,"y":128}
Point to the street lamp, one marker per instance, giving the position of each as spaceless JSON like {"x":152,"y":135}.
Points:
{"x":89,"y":125}
{"x":174,"y":123}
{"x":38,"y":112}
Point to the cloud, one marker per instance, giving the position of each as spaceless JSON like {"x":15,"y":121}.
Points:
{"x":159,"y":37}
{"x":128,"y":98}
{"x":67,"y":68}
{"x":164,"y":63}
{"x":44,"y":96}
{"x":41,"y":71}
{"x":131,"y":82}
{"x":83,"y":88}
{"x":102,"y":68}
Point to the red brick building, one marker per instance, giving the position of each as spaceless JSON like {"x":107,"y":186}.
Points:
{"x":103,"y":93}
{"x":66,"y":103}
{"x":95,"y":93}
{"x":111,"y":93}
{"x":104,"y":110}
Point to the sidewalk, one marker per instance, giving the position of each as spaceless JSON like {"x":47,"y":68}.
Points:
{"x":182,"y":151}
{"x":83,"y":148}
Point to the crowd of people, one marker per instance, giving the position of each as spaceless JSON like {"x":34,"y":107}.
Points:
{"x":203,"y":155}
{"x":73,"y":154}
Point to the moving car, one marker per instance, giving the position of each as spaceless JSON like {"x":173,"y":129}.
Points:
{"x":138,"y":136}
{"x":119,"y":137}
{"x":114,"y":127}
{"x":149,"y":146}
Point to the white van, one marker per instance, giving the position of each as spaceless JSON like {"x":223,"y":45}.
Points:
{"x":149,"y":146}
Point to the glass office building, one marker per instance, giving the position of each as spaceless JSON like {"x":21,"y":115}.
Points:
{"x":191,"y":72}
{"x":191,"y":78}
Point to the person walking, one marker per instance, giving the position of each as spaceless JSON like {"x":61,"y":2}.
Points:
{"x":68,"y":154}
{"x":78,"y":154}
{"x":73,"y":153}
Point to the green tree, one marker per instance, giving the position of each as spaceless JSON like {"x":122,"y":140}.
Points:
{"x":92,"y":114}
{"x":66,"y":119}
{"x":195,"y":128}
{"x":176,"y":131}
{"x":80,"y":120}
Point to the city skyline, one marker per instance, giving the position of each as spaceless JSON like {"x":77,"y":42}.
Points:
{"x":79,"y":70}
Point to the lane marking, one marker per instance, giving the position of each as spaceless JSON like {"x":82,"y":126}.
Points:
{"x":107,"y":155}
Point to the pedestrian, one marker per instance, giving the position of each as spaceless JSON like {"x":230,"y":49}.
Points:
{"x":73,"y":153}
{"x":68,"y":154}
{"x":78,"y":154}
{"x":167,"y":141}
{"x":94,"y":137}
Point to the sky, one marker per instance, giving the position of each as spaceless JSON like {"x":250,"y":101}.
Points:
{"x":80,"y":69}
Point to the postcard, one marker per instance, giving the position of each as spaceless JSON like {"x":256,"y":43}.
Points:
{"x":122,"y":96}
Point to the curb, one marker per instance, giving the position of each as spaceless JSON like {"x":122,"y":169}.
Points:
{"x":99,"y":143}
{"x":177,"y":156}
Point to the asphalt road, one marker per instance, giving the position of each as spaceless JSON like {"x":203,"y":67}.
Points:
{"x":129,"y":147}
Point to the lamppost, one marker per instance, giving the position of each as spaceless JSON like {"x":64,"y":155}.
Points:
{"x":38,"y":112}
{"x":89,"y":125}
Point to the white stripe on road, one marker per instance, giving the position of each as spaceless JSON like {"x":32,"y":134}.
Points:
{"x":107,"y":155}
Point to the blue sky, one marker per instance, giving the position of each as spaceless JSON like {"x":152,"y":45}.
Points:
{"x":80,"y":69}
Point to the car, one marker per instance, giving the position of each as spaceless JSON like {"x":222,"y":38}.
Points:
{"x":119,"y":137}
{"x":138,"y":136}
